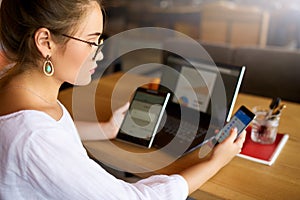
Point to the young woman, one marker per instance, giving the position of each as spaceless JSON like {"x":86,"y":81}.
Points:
{"x":42,"y":157}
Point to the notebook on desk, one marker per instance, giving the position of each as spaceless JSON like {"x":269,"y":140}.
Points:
{"x":203,"y":97}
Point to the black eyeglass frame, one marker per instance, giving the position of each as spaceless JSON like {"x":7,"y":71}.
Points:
{"x":99,"y":46}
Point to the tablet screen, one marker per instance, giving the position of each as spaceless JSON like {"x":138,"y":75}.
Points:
{"x":143,"y":117}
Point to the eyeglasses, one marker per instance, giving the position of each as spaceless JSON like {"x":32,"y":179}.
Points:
{"x":99,"y":45}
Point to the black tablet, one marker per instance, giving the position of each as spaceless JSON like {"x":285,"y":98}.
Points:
{"x":143,"y":117}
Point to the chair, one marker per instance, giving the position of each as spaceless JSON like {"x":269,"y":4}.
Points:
{"x":270,"y":72}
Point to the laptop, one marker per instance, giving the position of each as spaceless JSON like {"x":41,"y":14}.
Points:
{"x":203,"y":97}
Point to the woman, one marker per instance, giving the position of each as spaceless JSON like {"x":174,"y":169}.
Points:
{"x":42,"y":157}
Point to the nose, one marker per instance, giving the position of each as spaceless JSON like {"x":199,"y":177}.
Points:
{"x":99,"y":56}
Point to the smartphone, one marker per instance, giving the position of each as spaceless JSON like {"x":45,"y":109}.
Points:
{"x":143,"y":117}
{"x":241,"y":119}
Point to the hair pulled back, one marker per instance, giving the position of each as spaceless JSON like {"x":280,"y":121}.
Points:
{"x":19,"y":20}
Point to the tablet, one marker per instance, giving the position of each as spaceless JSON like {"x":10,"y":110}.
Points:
{"x":143,"y":117}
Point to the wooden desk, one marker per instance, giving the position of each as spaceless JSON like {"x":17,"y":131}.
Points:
{"x":240,"y":179}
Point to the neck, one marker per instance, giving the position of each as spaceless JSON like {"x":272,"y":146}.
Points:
{"x":34,"y":82}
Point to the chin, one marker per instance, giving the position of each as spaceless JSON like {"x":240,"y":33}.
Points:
{"x":83,"y":81}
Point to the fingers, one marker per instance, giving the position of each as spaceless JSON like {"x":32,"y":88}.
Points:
{"x":241,"y":139}
{"x":119,"y":115}
{"x":238,"y":141}
{"x":233,"y":134}
{"x":123,"y":108}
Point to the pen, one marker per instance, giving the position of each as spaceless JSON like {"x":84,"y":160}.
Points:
{"x":279,"y":109}
{"x":274,"y":104}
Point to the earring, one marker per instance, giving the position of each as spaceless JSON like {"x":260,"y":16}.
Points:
{"x":48,"y":67}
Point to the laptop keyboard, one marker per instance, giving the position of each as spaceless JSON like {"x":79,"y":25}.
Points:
{"x":187,"y":129}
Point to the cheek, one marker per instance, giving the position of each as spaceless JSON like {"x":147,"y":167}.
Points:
{"x":71,"y":63}
{"x":75,"y":58}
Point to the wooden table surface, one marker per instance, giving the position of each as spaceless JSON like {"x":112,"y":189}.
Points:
{"x":240,"y":179}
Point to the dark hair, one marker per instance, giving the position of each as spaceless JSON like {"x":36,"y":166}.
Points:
{"x":19,"y":20}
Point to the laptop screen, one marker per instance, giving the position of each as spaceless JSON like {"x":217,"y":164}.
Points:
{"x":195,"y":83}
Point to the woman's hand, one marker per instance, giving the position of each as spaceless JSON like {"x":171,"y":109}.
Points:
{"x":103,"y":130}
{"x":112,"y":127}
{"x":221,"y":155}
{"x":231,"y":146}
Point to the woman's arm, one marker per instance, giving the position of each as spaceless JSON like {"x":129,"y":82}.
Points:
{"x":198,"y":174}
{"x":104,"y":130}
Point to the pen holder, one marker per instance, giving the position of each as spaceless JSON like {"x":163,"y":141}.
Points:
{"x":264,"y":126}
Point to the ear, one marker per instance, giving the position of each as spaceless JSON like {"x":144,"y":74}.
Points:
{"x":44,"y":42}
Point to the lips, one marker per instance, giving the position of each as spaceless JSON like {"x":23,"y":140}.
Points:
{"x":92,"y":70}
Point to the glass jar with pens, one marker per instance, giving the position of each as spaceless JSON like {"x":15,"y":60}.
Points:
{"x":265,"y":125}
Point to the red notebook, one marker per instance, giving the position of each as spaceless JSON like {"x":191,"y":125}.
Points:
{"x":263,"y":153}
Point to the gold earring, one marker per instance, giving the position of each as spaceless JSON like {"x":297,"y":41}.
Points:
{"x":48,"y":67}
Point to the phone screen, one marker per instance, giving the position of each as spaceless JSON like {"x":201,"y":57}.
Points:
{"x":241,"y":119}
{"x":143,"y":116}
